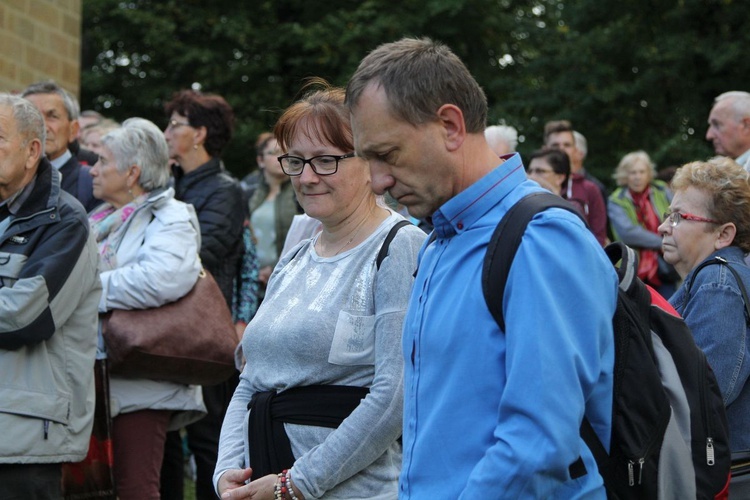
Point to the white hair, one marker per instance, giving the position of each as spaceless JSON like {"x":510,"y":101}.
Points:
{"x":581,"y":143}
{"x":140,"y":142}
{"x":29,"y":121}
{"x":504,"y":133}
{"x":739,"y":103}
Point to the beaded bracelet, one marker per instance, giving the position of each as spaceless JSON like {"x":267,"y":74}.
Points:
{"x":289,"y":484}
{"x":278,"y":488}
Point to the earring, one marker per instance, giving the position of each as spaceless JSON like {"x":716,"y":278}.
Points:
{"x":195,"y":146}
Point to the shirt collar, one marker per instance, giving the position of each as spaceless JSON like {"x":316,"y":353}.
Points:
{"x":61,"y":160}
{"x":463,"y":210}
{"x":744,"y":159}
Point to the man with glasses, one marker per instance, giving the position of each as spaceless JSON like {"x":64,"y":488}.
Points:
{"x":488,"y":413}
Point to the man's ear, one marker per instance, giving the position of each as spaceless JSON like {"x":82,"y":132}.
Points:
{"x":452,"y":119}
{"x":74,"y":128}
{"x":34,"y":150}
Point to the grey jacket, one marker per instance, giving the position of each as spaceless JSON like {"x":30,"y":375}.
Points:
{"x":49,"y":289}
{"x":158,"y":263}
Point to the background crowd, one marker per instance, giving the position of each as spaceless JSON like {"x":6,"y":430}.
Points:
{"x":161,"y":203}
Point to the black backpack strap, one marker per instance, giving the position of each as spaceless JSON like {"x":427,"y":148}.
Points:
{"x":383,"y":253}
{"x":724,"y":262}
{"x":500,"y":252}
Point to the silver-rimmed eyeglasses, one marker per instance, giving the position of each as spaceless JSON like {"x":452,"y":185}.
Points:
{"x":321,"y":165}
{"x":173,"y":124}
{"x":675,"y":218}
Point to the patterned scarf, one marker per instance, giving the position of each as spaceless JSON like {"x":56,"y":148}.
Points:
{"x":108,"y":225}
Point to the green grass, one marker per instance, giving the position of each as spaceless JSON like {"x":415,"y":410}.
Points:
{"x":189,"y":489}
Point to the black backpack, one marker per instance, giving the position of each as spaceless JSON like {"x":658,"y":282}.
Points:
{"x":669,"y":429}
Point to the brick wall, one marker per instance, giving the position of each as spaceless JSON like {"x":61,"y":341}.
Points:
{"x":40,"y":40}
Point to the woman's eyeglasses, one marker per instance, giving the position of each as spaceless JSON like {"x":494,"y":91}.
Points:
{"x":173,"y":124}
{"x":321,"y":165}
{"x":675,"y":218}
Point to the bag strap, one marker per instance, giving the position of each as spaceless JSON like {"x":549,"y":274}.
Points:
{"x":504,"y":244}
{"x":724,"y":262}
{"x":383,"y":253}
{"x":501,"y":250}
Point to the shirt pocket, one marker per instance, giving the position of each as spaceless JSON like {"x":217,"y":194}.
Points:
{"x":353,"y":340}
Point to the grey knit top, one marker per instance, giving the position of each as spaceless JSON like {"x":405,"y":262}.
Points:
{"x":338,"y":321}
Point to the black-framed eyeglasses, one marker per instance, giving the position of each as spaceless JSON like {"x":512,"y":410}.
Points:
{"x":321,"y":165}
{"x":675,"y":218}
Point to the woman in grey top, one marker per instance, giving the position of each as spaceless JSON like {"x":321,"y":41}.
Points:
{"x":324,"y":367}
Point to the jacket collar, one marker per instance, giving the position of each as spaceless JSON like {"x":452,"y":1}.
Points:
{"x":46,"y":192}
{"x":211,"y":167}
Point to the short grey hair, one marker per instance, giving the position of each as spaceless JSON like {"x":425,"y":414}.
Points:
{"x":505,"y":133}
{"x":139,"y":142}
{"x":581,"y":143}
{"x":739,"y":103}
{"x":50,"y":87}
{"x":29,"y":121}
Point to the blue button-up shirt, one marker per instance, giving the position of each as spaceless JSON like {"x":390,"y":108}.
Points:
{"x":491,"y":414}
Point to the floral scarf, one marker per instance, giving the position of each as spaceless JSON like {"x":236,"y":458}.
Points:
{"x":108,"y":225}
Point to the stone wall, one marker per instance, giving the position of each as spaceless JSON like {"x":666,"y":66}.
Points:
{"x":40,"y":40}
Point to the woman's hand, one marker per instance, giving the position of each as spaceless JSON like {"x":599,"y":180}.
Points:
{"x":232,"y":485}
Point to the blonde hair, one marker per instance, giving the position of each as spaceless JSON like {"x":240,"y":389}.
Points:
{"x":728,"y":190}
{"x":629,"y":161}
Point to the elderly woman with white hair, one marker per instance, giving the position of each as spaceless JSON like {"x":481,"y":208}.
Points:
{"x":148,"y":247}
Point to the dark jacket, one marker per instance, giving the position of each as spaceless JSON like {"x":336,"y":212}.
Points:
{"x":217,"y":199}
{"x":77,"y":181}
{"x":49,"y":292}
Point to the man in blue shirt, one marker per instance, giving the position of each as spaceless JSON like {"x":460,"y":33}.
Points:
{"x":487,"y":414}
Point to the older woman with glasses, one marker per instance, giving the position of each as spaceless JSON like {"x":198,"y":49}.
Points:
{"x":705,"y":235}
{"x":323,"y":377}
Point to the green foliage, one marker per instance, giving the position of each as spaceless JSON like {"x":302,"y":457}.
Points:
{"x":630,"y":75}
